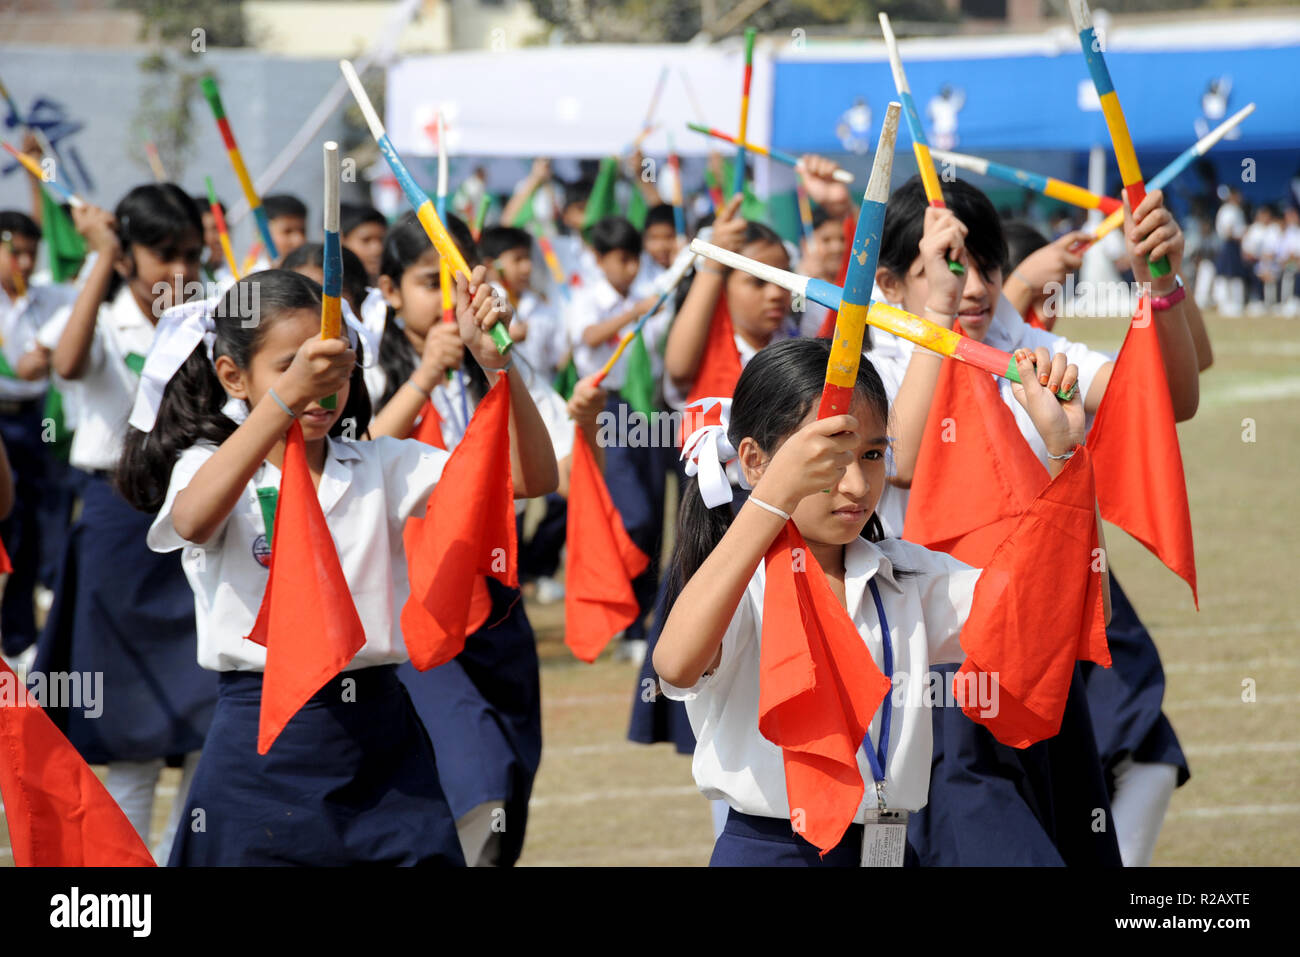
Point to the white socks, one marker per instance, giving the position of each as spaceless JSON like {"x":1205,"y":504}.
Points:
{"x":1142,"y":793}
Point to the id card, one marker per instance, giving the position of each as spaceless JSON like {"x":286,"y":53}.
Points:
{"x":884,"y":838}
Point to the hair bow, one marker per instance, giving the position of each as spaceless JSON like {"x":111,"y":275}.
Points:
{"x":707,"y":451}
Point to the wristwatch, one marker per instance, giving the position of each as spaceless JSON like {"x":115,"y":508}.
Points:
{"x":1161,"y":303}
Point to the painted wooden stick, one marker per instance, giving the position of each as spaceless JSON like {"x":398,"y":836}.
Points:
{"x":155,"y":161}
{"x":738,"y":180}
{"x":855,"y":301}
{"x":771,"y":152}
{"x":679,"y":210}
{"x":1046,"y":185}
{"x":33,"y":167}
{"x":331,"y":302}
{"x":219,"y":217}
{"x":43,"y":141}
{"x":254,"y":254}
{"x":669,"y":281}
{"x":417,"y":197}
{"x":1180,"y":163}
{"x":213,"y":96}
{"x":805,"y":208}
{"x":905,"y":325}
{"x":920,"y":147}
{"x":654,"y":99}
{"x":1121,"y":140}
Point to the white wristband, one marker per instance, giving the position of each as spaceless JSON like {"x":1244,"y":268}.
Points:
{"x":771,"y":508}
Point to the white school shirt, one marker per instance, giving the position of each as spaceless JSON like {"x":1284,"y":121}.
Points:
{"x":21,"y":320}
{"x":926,"y":610}
{"x":674,"y":398}
{"x":1230,"y":221}
{"x":597,"y":301}
{"x":367,"y":492}
{"x":1008,"y":331}
{"x":104,"y":394}
{"x":547,"y":341}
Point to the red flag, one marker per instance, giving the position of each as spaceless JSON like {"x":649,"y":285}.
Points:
{"x":1036,"y":610}
{"x":827,"y":329}
{"x":975,"y":473}
{"x":603,"y":560}
{"x":719,"y":369}
{"x":818,"y":690}
{"x":469,"y":530}
{"x":58,"y":812}
{"x":1134,"y":442}
{"x":307,"y":621}
{"x":6,"y":566}
{"x":429,"y":431}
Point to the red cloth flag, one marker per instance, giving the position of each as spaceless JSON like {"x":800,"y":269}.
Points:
{"x":469,"y":532}
{"x":1134,"y":442}
{"x":975,"y":473}
{"x":719,"y":369}
{"x":58,"y":812}
{"x":603,"y":560}
{"x":429,"y":431}
{"x":307,"y":621}
{"x":818,"y":690}
{"x":6,"y":566}
{"x":1037,"y":609}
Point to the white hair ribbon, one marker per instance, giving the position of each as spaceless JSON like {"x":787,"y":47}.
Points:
{"x":707,"y":451}
{"x":183,"y":327}
{"x":179,"y":330}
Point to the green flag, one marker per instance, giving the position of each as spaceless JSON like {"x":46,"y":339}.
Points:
{"x":566,"y":379}
{"x":67,"y":250}
{"x":637,"y":209}
{"x":602,"y":202}
{"x":639,"y":384}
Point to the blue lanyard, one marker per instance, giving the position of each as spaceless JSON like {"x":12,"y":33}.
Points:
{"x":876,"y":758}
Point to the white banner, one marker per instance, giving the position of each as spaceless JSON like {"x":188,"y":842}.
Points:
{"x":583,"y":101}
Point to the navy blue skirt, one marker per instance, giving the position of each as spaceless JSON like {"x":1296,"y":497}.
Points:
{"x":350,"y":780}
{"x":22,"y":530}
{"x":750,"y":841}
{"x":127,"y":613}
{"x":483,"y":712}
{"x":993,"y":805}
{"x":1125,"y":700}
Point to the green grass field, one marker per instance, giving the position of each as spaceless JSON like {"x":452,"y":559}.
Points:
{"x":601,"y":800}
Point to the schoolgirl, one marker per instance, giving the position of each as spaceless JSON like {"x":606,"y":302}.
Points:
{"x":991,"y":804}
{"x":709,"y":652}
{"x":120,"y":609}
{"x":352,"y":778}
{"x":483,"y":708}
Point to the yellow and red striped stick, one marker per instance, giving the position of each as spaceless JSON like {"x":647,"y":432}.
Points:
{"x":738,"y":180}
{"x":219,"y":217}
{"x":213,"y":96}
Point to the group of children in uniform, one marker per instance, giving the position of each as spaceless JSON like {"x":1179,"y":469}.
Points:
{"x":171,"y":547}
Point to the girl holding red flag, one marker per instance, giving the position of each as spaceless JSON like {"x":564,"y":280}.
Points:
{"x":786,"y":668}
{"x":989,"y":804}
{"x":350,"y":777}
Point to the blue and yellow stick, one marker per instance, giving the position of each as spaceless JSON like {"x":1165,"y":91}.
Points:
{"x":855,"y":302}
{"x":924,"y":161}
{"x":417,"y":197}
{"x":331,"y":303}
{"x":1121,"y":140}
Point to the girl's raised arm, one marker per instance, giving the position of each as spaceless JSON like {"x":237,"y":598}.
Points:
{"x":97,"y":226}
{"x":532,"y":457}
